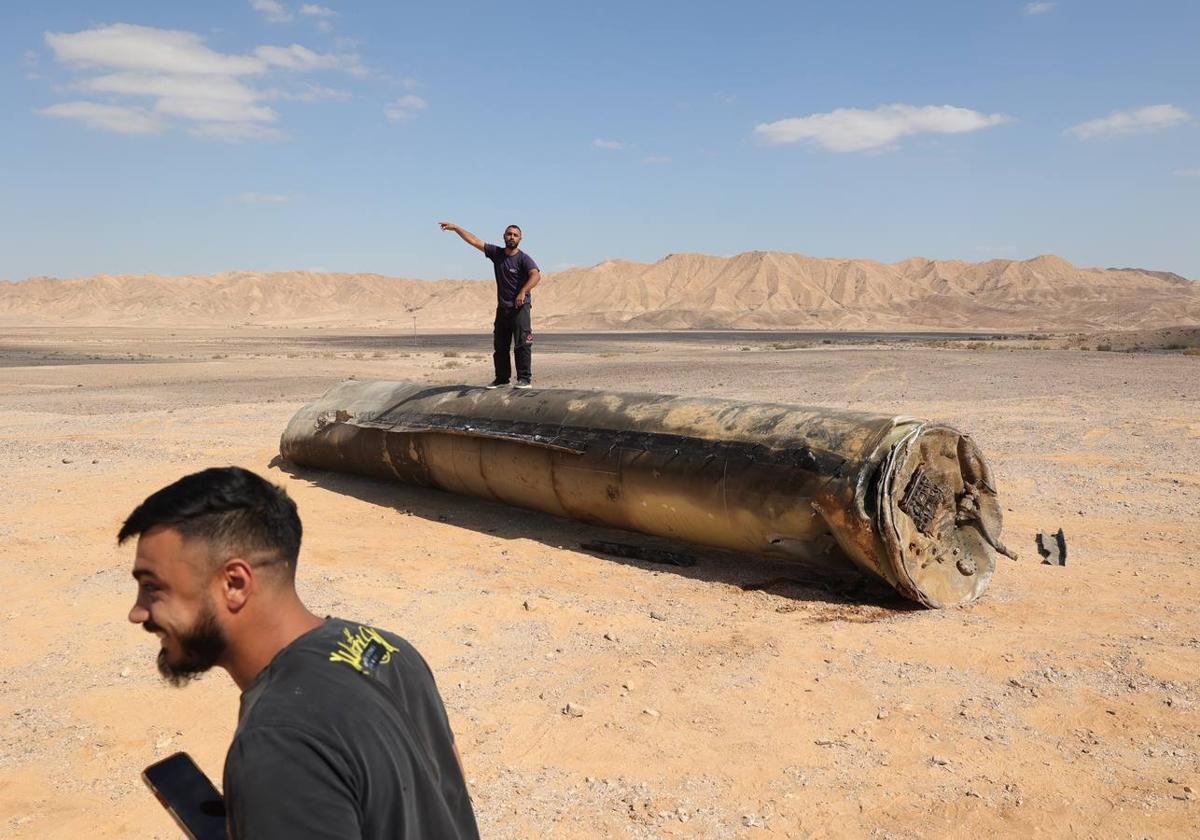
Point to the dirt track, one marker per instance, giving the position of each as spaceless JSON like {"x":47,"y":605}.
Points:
{"x":1066,"y":702}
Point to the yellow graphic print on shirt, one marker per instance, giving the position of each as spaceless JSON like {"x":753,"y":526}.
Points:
{"x":363,"y":651}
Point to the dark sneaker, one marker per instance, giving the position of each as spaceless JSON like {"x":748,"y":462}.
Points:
{"x":524,"y":383}
{"x":497,"y":383}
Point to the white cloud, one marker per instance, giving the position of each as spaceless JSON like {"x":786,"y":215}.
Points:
{"x":217,"y":88}
{"x":262,"y":198}
{"x":608,"y":144}
{"x":1139,"y":121}
{"x":118,"y":118}
{"x":125,"y":46}
{"x":656,"y":160}
{"x":200,"y":98}
{"x":297,"y":57}
{"x":212,"y":110}
{"x":272,"y":10}
{"x":855,"y":130}
{"x":1038,"y":8}
{"x":313,"y":10}
{"x":1188,"y":173}
{"x":353,"y":65}
{"x":404,"y":108}
{"x":187,"y":80}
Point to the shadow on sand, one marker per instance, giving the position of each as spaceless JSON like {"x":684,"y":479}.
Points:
{"x":847,"y":597}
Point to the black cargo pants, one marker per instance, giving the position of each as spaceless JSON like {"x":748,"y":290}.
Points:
{"x":512,"y":329}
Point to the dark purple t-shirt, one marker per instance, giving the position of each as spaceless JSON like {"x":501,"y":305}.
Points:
{"x":511,"y":273}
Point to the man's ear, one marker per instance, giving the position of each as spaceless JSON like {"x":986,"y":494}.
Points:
{"x":236,"y":581}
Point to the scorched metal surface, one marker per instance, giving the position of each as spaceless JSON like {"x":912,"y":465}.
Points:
{"x":908,"y":501}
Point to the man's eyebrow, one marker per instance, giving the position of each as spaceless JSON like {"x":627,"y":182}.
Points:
{"x":138,"y":574}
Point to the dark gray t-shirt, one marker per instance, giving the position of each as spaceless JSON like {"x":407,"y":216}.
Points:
{"x":511,"y":273}
{"x":344,"y":735}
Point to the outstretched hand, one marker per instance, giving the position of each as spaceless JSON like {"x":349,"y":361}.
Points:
{"x":449,"y":226}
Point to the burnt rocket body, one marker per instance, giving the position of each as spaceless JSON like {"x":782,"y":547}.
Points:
{"x":907,"y":501}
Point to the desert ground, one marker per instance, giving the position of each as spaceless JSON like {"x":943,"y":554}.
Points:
{"x":736,"y":698}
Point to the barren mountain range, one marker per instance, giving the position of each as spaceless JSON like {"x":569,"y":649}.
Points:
{"x":755,"y":290}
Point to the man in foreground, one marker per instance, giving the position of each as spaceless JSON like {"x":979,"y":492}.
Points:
{"x":516,"y":273}
{"x":341,"y":731}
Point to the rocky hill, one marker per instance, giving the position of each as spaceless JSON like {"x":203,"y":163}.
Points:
{"x":755,"y":290}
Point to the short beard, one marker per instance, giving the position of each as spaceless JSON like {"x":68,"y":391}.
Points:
{"x":201,"y":647}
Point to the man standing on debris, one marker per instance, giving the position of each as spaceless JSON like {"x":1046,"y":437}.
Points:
{"x":341,"y":731}
{"x":516,"y":273}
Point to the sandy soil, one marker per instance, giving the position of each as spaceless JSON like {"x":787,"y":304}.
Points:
{"x":1065,"y":703}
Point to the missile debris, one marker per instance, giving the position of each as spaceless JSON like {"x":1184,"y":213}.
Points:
{"x":907,"y":501}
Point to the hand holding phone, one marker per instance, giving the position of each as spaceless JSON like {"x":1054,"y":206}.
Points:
{"x":188,"y":796}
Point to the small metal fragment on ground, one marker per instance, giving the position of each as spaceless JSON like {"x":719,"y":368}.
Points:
{"x":640,"y":552}
{"x":1053,"y":548}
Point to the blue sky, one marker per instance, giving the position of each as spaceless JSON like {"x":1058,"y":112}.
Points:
{"x":180,"y":138}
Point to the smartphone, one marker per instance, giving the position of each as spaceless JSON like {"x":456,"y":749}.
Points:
{"x":188,"y":796}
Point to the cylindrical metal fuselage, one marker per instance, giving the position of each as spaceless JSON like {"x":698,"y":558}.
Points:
{"x":907,"y":501}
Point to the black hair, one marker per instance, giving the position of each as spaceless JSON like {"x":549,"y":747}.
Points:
{"x":518,"y":227}
{"x":232,"y":509}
